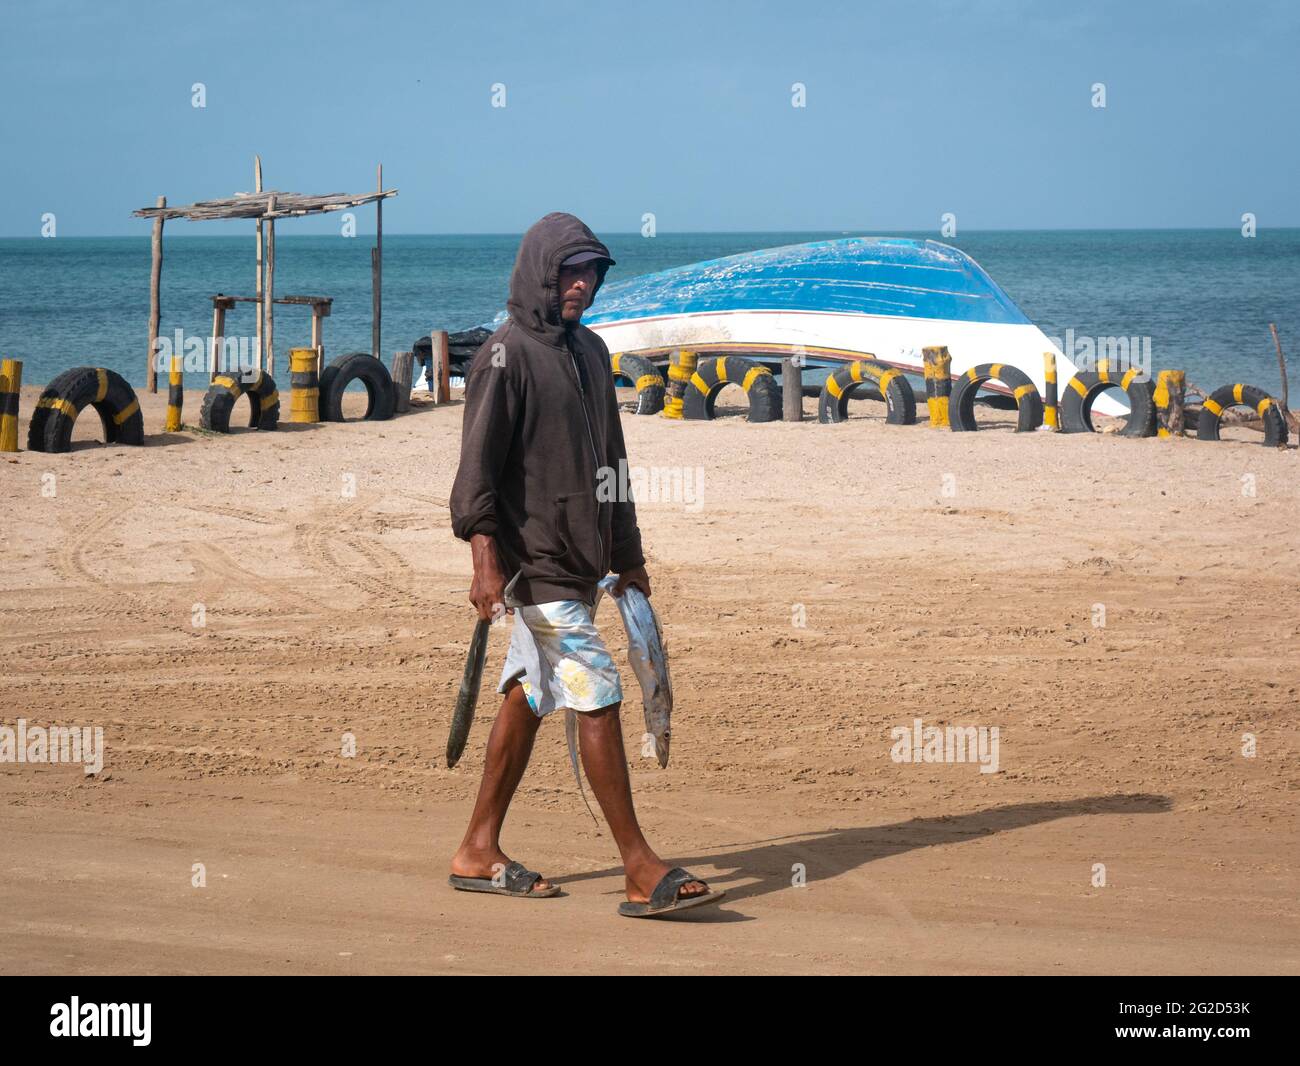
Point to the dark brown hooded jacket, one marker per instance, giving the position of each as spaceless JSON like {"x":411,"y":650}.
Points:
{"x":541,"y":419}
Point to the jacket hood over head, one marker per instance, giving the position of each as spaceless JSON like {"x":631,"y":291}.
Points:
{"x":534,"y":302}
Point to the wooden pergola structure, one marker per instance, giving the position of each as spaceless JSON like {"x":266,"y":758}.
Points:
{"x":266,"y":206}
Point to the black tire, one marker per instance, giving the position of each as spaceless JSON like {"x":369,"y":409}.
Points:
{"x":712,"y":373}
{"x":1239,"y":395}
{"x":1086,"y":386}
{"x":869,"y":380}
{"x":64,"y":398}
{"x":641,"y":374}
{"x":219,"y":402}
{"x":356,"y":366}
{"x":1028,"y":401}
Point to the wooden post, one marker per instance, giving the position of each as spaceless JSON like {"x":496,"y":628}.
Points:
{"x":218,"y":336}
{"x":269,"y":295}
{"x":402,"y":381}
{"x":1170,"y":396}
{"x":792,"y":390}
{"x":937,"y":367}
{"x":441,"y":367}
{"x":1051,"y":397}
{"x":256,"y":187}
{"x":11,"y":383}
{"x":377,"y":267}
{"x":219,"y":319}
{"x":315,"y":327}
{"x":320,"y":311}
{"x":155,"y":300}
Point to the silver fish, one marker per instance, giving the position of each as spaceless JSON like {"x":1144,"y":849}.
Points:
{"x":648,"y":655}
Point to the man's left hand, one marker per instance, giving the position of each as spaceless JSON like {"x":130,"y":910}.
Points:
{"x":637,"y":577}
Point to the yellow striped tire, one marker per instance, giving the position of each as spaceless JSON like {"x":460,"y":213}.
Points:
{"x":64,"y":398}
{"x":1238,"y":395}
{"x":878,"y":381}
{"x":1082,"y":389}
{"x":1029,"y":404}
{"x":219,"y":401}
{"x":714,"y":373}
{"x":640,"y":373}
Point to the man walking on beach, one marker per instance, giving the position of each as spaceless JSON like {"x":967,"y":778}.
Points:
{"x":541,"y":422}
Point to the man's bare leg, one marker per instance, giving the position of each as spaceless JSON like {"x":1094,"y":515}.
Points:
{"x":600,"y":736}
{"x":509,"y":747}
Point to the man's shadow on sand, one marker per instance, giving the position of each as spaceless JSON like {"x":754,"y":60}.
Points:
{"x":833,"y":852}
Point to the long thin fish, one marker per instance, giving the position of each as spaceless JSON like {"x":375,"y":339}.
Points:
{"x":648,"y":655}
{"x":466,"y":702}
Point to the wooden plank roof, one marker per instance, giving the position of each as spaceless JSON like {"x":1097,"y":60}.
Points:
{"x":256,"y":204}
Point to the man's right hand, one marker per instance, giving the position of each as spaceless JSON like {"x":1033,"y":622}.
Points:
{"x":487,"y":592}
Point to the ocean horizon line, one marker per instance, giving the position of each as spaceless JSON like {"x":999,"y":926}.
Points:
{"x":145,"y":233}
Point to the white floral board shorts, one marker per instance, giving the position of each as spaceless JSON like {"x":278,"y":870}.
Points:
{"x":561,"y":658}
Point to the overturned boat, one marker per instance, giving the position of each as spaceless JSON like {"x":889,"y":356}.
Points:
{"x":830,"y":302}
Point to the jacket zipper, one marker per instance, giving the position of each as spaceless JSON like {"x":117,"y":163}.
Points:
{"x":582,"y":399}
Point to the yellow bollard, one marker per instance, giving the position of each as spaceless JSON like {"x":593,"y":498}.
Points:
{"x":175,"y":395}
{"x":1051,"y":398}
{"x":937,"y":368}
{"x":304,"y":385}
{"x":681,"y":365}
{"x":11,"y":382}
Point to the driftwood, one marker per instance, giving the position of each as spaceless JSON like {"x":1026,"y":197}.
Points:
{"x":1170,"y":396}
{"x":1293,"y":420}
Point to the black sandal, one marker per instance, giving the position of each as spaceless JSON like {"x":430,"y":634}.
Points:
{"x":665,"y":897}
{"x":515,"y":880}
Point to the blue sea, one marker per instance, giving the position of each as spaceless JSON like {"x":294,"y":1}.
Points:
{"x":1203,"y":297}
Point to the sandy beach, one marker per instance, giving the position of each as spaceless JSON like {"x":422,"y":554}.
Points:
{"x":830,"y":584}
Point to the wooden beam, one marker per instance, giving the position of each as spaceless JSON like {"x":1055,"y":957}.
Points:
{"x":377,"y":269}
{"x":155,"y":300}
{"x":268,"y":295}
{"x":257,"y":186}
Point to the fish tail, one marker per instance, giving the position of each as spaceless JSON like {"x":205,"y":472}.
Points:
{"x":571,"y":735}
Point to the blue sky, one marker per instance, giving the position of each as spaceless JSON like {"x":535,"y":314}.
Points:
{"x":981,"y":108}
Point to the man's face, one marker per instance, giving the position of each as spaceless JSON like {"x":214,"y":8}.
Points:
{"x":576,"y":285}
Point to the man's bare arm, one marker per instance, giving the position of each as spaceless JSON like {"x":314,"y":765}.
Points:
{"x":487,"y":592}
